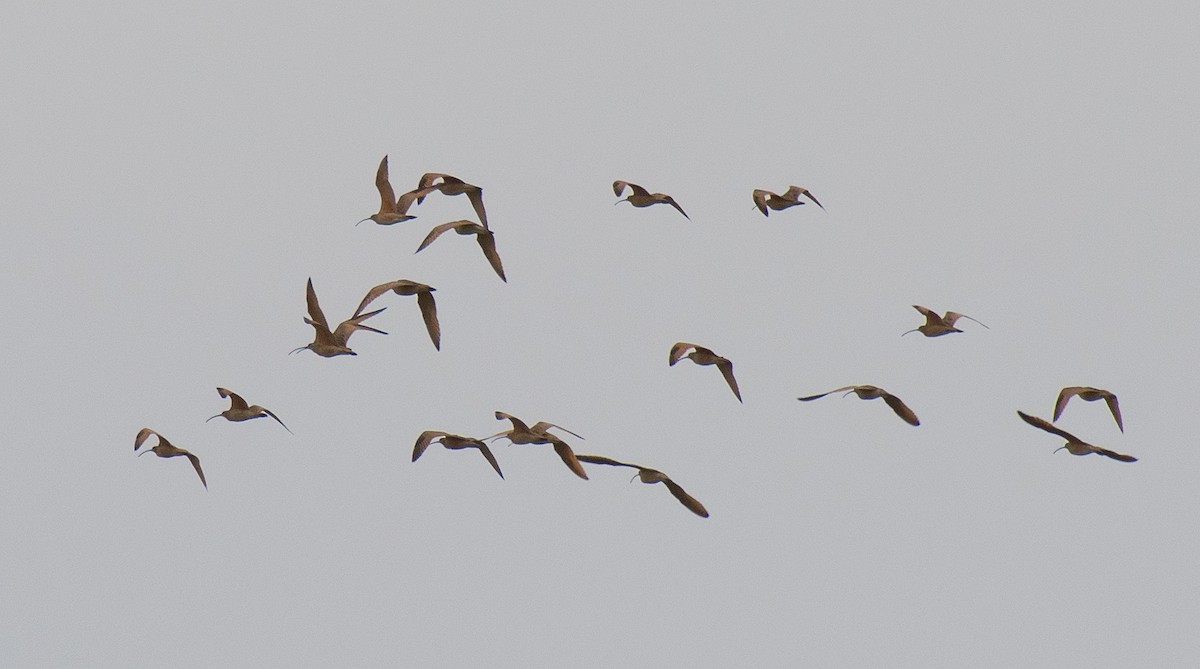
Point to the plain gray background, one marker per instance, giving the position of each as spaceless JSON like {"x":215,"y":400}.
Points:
{"x":172,"y":175}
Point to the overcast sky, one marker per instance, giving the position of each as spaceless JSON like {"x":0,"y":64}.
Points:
{"x":171,"y":177}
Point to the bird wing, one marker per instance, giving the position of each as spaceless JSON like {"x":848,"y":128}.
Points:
{"x":314,"y":308}
{"x":760,"y":200}
{"x":931,"y":316}
{"x":619,"y":187}
{"x":817,"y":397}
{"x":795,"y":191}
{"x":726,"y":368}
{"x":1043,"y":424}
{"x":1112,"y":454}
{"x":1111,"y":400}
{"x":901,"y":409}
{"x":387,"y":197}
{"x":475,"y":195}
{"x":688,"y":501}
{"x":487,"y":242}
{"x":517,"y":423}
{"x":144,"y":434}
{"x":568,"y":457}
{"x":601,"y":460}
{"x":196,"y":463}
{"x":952,"y":316}
{"x":438,"y":230}
{"x":487,"y":453}
{"x":1064,"y":396}
{"x":348,"y":327}
{"x":406,"y":200}
{"x":235,"y":400}
{"x":671,"y":201}
{"x":542,"y":426}
{"x":272,"y":415}
{"x":429,"y":313}
{"x":423,"y":441}
{"x":427,"y":180}
{"x":678,"y":350}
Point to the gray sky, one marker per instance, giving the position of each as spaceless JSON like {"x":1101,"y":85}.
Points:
{"x":172,"y":176}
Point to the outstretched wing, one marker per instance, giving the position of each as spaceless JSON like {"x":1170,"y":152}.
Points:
{"x":1114,"y":455}
{"x":901,"y":409}
{"x":196,"y":463}
{"x":429,"y":314}
{"x":688,"y":501}
{"x":678,"y":350}
{"x":726,"y":368}
{"x":235,"y":400}
{"x":671,"y":201}
{"x":387,"y":197}
{"x":952,"y":317}
{"x":542,"y":426}
{"x":314,"y":308}
{"x":931,"y":316}
{"x":760,"y":200}
{"x":568,"y":457}
{"x":1043,"y":424}
{"x":817,"y":397}
{"x":348,"y":327}
{"x":619,"y":187}
{"x":423,"y":441}
{"x":487,"y":453}
{"x":487,"y":242}
{"x":601,"y":460}
{"x":1064,"y":396}
{"x":1111,"y":400}
{"x":438,"y":230}
{"x":272,"y":415}
{"x":144,"y":434}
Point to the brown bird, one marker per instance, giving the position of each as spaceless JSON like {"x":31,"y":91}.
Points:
{"x":165,"y":449}
{"x":453,"y":442}
{"x":935,"y":325}
{"x":239,"y":411}
{"x":539,"y":434}
{"x":790,"y":198}
{"x":391,"y":210}
{"x":328,"y":344}
{"x":452,"y":186}
{"x":1089,"y":395}
{"x":1074,"y":445}
{"x":425,"y":301}
{"x":648,"y":475}
{"x":870,"y":393}
{"x":485,"y":237}
{"x":704,"y":356}
{"x":640,"y":197}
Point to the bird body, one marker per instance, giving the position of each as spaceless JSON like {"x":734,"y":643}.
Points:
{"x":451,"y":185}
{"x":867,"y":392}
{"x":1088,"y":394}
{"x":1074,"y":445}
{"x":935,"y":325}
{"x":790,"y":198}
{"x":329,"y":344}
{"x":640,"y":197}
{"x":648,"y":475}
{"x":453,"y":442}
{"x":165,"y":449}
{"x":704,"y":356}
{"x":239,"y":411}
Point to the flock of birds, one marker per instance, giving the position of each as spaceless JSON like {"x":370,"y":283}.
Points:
{"x":333,"y":342}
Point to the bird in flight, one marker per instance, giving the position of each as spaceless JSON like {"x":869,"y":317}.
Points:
{"x":640,"y":197}
{"x":425,"y":301}
{"x":449,"y":185}
{"x":485,"y":237}
{"x":453,"y":442}
{"x":328,"y":344}
{"x":1074,"y":445}
{"x":391,"y":209}
{"x":935,"y":325}
{"x":789,"y":198}
{"x":1088,"y":395}
{"x":705,"y":356}
{"x":238,"y":409}
{"x":648,"y":475}
{"x":164,"y":449}
{"x":870,"y":393}
{"x":520,"y":433}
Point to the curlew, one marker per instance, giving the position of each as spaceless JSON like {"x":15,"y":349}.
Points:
{"x":1088,"y":394}
{"x":392,"y":210}
{"x":870,"y":393}
{"x":453,"y":442}
{"x":239,"y":411}
{"x":790,"y":198}
{"x":452,"y":186}
{"x":640,"y":197}
{"x":540,"y":434}
{"x":425,"y":301}
{"x":485,"y":237}
{"x":1074,"y":445}
{"x":705,"y":356}
{"x":328,"y":344}
{"x":164,"y":449}
{"x":935,"y":325}
{"x":648,"y":475}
